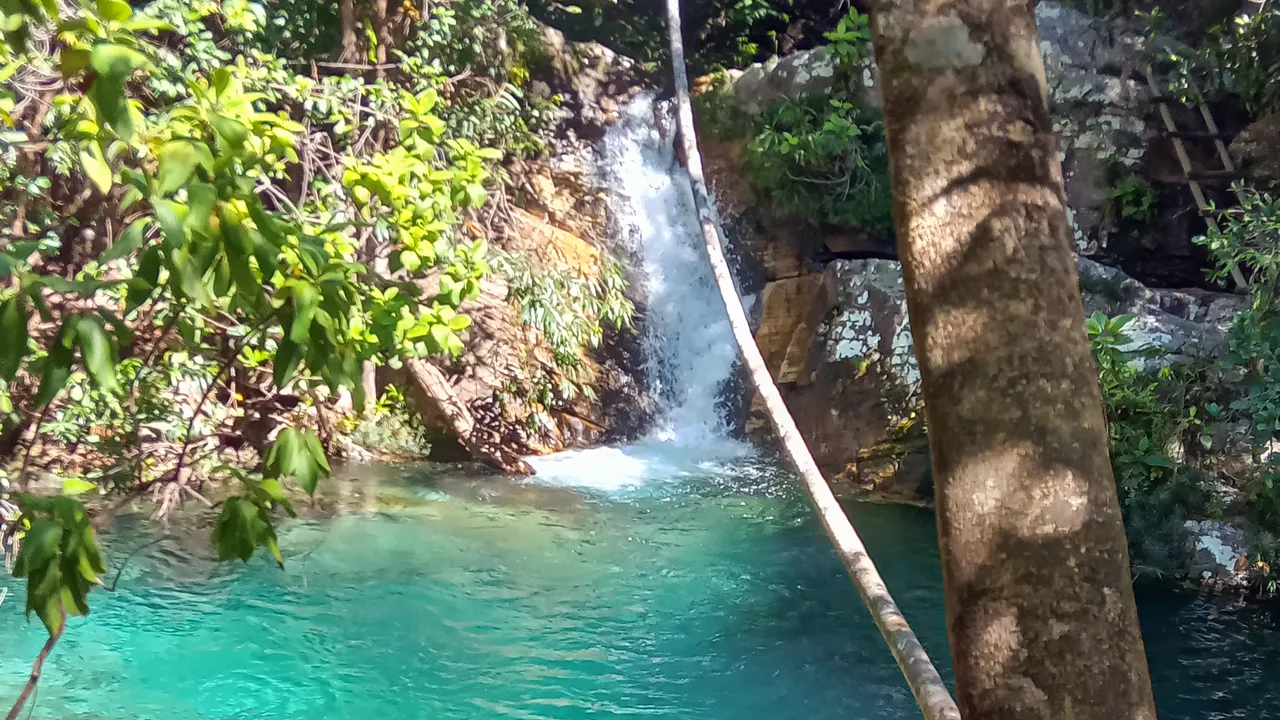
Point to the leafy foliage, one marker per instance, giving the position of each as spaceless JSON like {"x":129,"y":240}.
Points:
{"x":1133,"y":200}
{"x":1240,"y":56}
{"x":59,"y":558}
{"x":726,"y":33}
{"x":191,"y":198}
{"x":824,"y":160}
{"x":1149,"y":415}
{"x":821,"y":158}
{"x":569,"y":308}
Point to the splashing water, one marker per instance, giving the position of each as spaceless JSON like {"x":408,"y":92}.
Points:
{"x":690,"y":345}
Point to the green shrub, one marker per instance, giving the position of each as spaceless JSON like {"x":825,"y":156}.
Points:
{"x":824,"y":160}
{"x":1240,"y":57}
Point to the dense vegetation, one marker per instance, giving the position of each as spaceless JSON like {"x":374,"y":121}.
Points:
{"x":818,"y":157}
{"x":218,"y":218}
{"x":720,"y":33}
{"x":1197,"y":440}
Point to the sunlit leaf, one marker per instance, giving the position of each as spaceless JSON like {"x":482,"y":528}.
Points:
{"x":96,"y":167}
{"x":76,"y":486}
{"x":116,"y":61}
{"x":115,"y":10}
{"x":175,"y":164}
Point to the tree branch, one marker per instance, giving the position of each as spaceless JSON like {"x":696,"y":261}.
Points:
{"x":36,"y":667}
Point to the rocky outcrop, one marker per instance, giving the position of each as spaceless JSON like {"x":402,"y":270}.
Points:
{"x":1115,"y":158}
{"x":1257,"y":149}
{"x":1219,"y":554}
{"x":853,"y":383}
{"x":592,"y":81}
{"x":1172,"y":325}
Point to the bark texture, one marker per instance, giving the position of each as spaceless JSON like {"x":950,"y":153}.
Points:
{"x":1040,"y":608}
{"x":923,"y":679}
{"x":441,"y":408}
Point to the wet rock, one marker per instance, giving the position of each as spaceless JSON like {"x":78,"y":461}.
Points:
{"x":792,"y":310}
{"x":1219,"y":553}
{"x":592,"y":81}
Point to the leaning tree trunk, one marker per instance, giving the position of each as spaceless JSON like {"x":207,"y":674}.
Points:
{"x":1040,"y":609}
{"x":926,"y":685}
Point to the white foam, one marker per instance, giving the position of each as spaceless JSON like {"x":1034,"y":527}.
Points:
{"x":689,"y":345}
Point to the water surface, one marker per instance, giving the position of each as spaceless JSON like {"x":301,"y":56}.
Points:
{"x":710,"y":594}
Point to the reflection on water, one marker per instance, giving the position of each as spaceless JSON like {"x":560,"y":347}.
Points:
{"x":429,"y":594}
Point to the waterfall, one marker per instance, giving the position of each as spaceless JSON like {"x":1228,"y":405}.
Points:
{"x":691,"y":351}
{"x":690,"y":347}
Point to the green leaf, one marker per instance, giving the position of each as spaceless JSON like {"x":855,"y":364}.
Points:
{"x":39,"y":546}
{"x":98,"y":353}
{"x":76,"y":486}
{"x":13,"y":336}
{"x":108,"y":96}
{"x":221,"y":80}
{"x":288,"y":358}
{"x":186,"y":278}
{"x":298,"y":455}
{"x":316,"y":449}
{"x":176,"y":163}
{"x":146,"y":25}
{"x":273,"y":547}
{"x":1156,"y":461}
{"x":115,"y":10}
{"x":170,"y":216}
{"x":476,"y":195}
{"x":305,"y":300}
{"x":202,"y":197}
{"x":116,"y":61}
{"x":439,"y":338}
{"x":459,"y":323}
{"x":72,"y":62}
{"x":143,"y":284}
{"x":231,"y":131}
{"x":239,"y":529}
{"x":410,"y":261}
{"x":131,"y":196}
{"x":57,"y":364}
{"x":96,"y":167}
{"x":1117,"y":323}
{"x":128,"y":242}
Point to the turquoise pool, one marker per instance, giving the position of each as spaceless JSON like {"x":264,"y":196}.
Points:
{"x":422,"y":594}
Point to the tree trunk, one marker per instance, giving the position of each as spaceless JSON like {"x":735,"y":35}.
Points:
{"x":1040,"y":608}
{"x":349,"y":51}
{"x":923,"y":679}
{"x":442,"y":408}
{"x":382,"y":31}
{"x":369,"y":384}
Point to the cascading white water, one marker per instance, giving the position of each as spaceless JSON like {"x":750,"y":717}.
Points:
{"x":690,"y":346}
{"x":689,"y":341}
